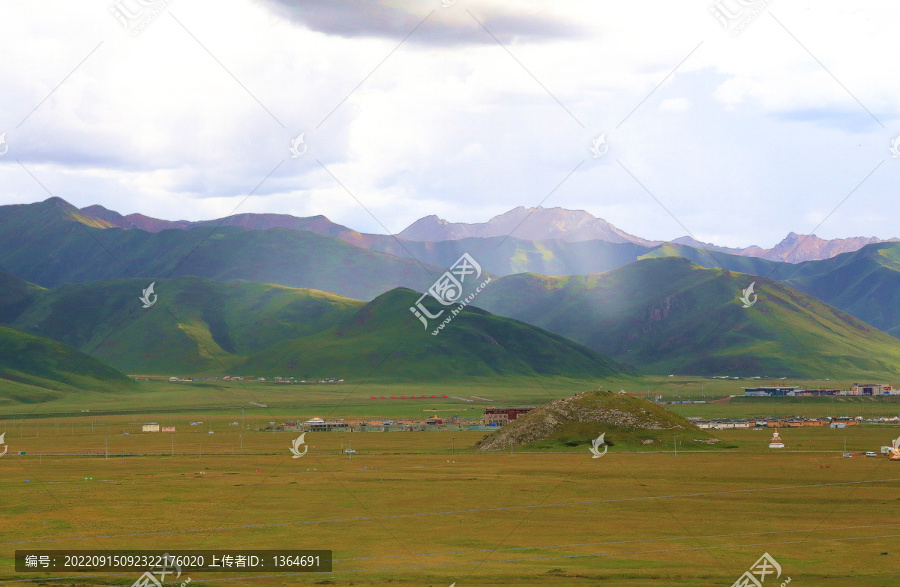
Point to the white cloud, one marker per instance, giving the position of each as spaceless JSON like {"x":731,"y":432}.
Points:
{"x":749,"y":138}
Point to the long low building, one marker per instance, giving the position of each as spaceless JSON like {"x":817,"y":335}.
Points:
{"x":768,"y":391}
{"x":501,"y":416}
{"x":866,"y":389}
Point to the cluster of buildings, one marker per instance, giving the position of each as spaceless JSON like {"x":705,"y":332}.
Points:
{"x":857,"y":389}
{"x":732,"y":423}
{"x":240,"y":378}
{"x":434,"y":422}
{"x":492,"y":417}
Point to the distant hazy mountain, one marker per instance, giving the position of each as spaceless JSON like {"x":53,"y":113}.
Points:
{"x":795,"y":248}
{"x":691,"y":242}
{"x":524,"y":223}
{"x":541,"y":224}
{"x":132,"y":220}
{"x":317,"y":224}
{"x":52,"y":243}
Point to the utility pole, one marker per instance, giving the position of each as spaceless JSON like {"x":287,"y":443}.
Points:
{"x":453,"y":445}
{"x":107,"y":448}
{"x":676,"y":445}
{"x":242,"y":417}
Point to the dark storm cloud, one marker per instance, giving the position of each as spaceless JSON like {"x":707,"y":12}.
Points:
{"x":395,"y":19}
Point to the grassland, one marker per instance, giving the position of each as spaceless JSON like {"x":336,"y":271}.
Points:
{"x":406,"y":510}
{"x":354,"y":399}
{"x":426,"y":508}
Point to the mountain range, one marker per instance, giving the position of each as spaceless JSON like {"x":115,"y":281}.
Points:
{"x":52,"y":243}
{"x":272,"y":293}
{"x":529,"y":224}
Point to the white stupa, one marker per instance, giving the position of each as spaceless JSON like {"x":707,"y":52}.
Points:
{"x":776,"y":441}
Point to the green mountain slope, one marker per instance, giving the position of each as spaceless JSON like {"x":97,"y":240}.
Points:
{"x":196,"y":325}
{"x":200,"y":326}
{"x":864,"y":283}
{"x":667,"y":315}
{"x":383,"y":340}
{"x":33,"y":365}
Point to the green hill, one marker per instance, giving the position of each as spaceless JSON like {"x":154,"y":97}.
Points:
{"x":383,"y":340}
{"x":667,"y":315}
{"x":864,"y":283}
{"x":34,"y":368}
{"x":200,"y":326}
{"x":196,"y":325}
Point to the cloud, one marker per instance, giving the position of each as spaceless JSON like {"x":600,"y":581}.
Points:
{"x":675,"y":105}
{"x":439,"y":25}
{"x":741,"y":142}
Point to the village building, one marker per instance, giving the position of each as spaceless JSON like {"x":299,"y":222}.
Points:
{"x":501,"y":416}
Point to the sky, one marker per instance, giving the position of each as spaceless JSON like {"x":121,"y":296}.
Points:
{"x":733,"y":124}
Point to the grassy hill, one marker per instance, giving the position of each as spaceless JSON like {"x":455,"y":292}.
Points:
{"x":200,"y":326}
{"x":668,"y":315}
{"x":34,"y":368}
{"x":382,"y":340}
{"x":864,"y":283}
{"x":626,"y":422}
{"x":195,"y":326}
